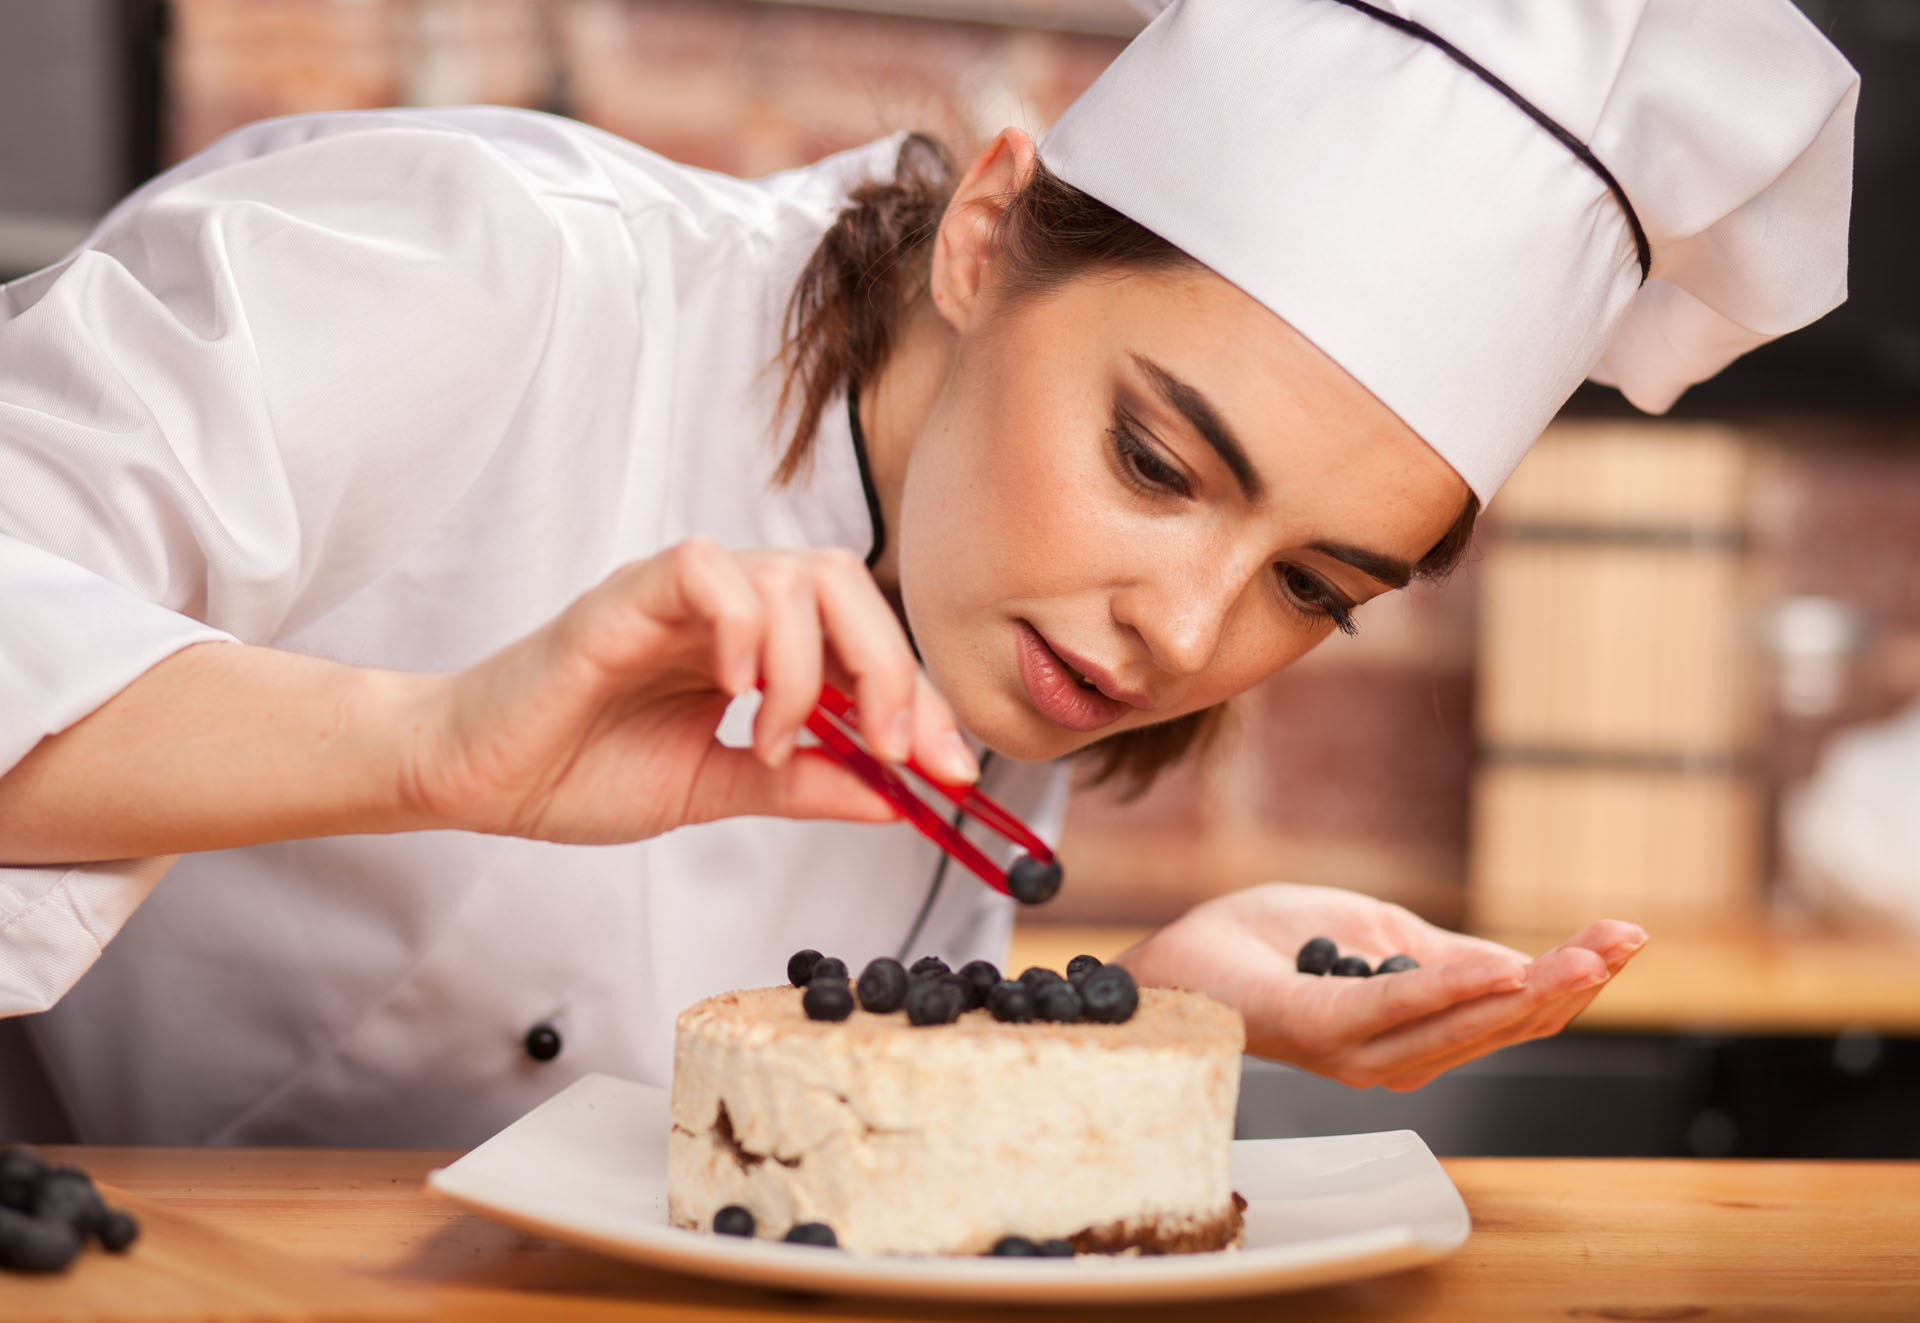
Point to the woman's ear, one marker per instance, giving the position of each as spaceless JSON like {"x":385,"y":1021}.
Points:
{"x":963,"y":249}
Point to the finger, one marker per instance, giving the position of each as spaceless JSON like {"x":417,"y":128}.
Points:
{"x":1565,"y":969}
{"x":1458,"y":1027}
{"x":717,"y":592}
{"x":734,"y":783}
{"x":937,"y":742}
{"x":1549,"y":1019}
{"x":1396,"y":999}
{"x":867,"y":640}
{"x":791,"y":667}
{"x":1613,"y":940}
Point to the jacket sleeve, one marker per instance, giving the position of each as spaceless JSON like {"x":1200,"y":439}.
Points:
{"x":253,"y":390}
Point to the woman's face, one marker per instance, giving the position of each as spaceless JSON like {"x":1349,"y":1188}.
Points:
{"x":1140,"y":495}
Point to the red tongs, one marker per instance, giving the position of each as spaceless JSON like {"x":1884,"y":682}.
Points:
{"x":1035,"y":875}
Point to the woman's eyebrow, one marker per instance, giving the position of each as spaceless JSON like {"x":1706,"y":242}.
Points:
{"x":1391,"y":571}
{"x":1190,"y":404}
{"x":1197,"y":410}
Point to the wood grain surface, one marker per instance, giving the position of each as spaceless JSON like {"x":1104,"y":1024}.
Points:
{"x":1553,"y":1239}
{"x":1755,"y":980}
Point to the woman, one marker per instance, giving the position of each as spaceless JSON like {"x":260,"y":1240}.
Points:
{"x":367,"y":400}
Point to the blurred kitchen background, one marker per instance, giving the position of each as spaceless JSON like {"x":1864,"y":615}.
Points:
{"x":1643,"y":670}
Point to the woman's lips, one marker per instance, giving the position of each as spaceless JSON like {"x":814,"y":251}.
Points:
{"x":1052,"y":689}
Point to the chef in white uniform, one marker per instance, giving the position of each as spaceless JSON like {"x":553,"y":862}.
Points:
{"x":439,"y":393}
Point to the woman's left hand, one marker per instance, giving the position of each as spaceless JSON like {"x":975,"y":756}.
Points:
{"x":1468,"y":998}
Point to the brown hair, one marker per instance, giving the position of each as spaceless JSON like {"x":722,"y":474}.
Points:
{"x":871,"y":265}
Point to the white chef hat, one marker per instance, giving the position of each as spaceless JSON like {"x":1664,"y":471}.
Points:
{"x":1472,"y":205}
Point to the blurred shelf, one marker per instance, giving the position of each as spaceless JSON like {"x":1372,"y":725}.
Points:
{"x":1759,"y":981}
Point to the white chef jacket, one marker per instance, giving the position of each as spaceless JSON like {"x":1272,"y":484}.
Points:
{"x":393,"y":388}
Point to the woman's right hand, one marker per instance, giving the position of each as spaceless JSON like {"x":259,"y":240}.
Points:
{"x":600,"y":727}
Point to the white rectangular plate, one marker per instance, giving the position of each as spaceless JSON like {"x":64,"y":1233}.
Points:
{"x":589,"y":1167}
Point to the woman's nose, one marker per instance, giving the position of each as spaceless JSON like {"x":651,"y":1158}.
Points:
{"x":1181,"y":611}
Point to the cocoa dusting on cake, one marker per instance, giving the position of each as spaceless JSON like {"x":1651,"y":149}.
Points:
{"x":1185,"y":1235}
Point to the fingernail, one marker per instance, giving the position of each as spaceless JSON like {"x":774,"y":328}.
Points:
{"x":781,"y":751}
{"x":899,"y":736}
{"x":956,"y":759}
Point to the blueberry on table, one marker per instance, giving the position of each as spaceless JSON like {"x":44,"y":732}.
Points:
{"x":928,"y":966}
{"x":1034,"y":977}
{"x":827,"y":999}
{"x":118,"y":1229}
{"x":1058,"y":1002}
{"x":1350,"y":966}
{"x":1010,"y":1003}
{"x":1014,"y":1247}
{"x":883,"y":986}
{"x":812,"y":1233}
{"x":829,"y":967}
{"x":934,"y":1001}
{"x":733,"y":1220}
{"x":983,"y":976}
{"x":1397,"y":964}
{"x":67,"y":1195}
{"x":20,"y":1173}
{"x":1056,"y":1248}
{"x":1032,"y":882}
{"x":800,"y":967}
{"x":1081,"y":966}
{"x":1317,"y":956}
{"x":36,"y":1244}
{"x":1110,"y":995}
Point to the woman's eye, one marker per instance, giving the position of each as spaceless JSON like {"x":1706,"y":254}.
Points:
{"x":1312,"y":596}
{"x":1143,"y":463}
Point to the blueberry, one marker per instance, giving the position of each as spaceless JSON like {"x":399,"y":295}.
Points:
{"x":983,"y":976}
{"x":1317,"y":956}
{"x":67,"y":1195}
{"x":812,"y":1233}
{"x":1081,"y":966}
{"x":1057,"y":1002}
{"x":1397,"y":964}
{"x":1010,"y":1002}
{"x":733,"y":1220}
{"x":1032,"y":882}
{"x":1110,"y":994}
{"x":118,"y":1229}
{"x":20,"y":1172}
{"x":962,"y":989}
{"x":927,"y":966}
{"x":1014,"y":1247}
{"x":934,"y":1001}
{"x":1350,"y":966}
{"x":883,"y":986}
{"x":36,"y":1244}
{"x":800,"y":967}
{"x":1034,"y":976}
{"x":1056,"y":1248}
{"x":830,"y":967}
{"x":827,"y":999}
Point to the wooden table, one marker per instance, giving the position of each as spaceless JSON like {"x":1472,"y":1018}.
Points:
{"x":1754,"y":980}
{"x":350,"y":1234}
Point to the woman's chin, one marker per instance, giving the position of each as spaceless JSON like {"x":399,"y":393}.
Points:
{"x":1012,"y":729}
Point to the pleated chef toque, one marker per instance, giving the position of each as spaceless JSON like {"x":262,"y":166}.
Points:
{"x":1472,"y":205}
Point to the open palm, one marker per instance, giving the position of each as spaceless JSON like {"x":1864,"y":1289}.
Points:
{"x":1468,"y":998}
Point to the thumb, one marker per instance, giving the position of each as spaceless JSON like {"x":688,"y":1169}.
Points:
{"x":735,"y":783}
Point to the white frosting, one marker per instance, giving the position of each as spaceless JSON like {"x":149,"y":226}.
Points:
{"x":942,"y":1139}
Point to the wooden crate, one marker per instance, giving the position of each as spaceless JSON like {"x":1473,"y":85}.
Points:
{"x":1618,"y":708}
